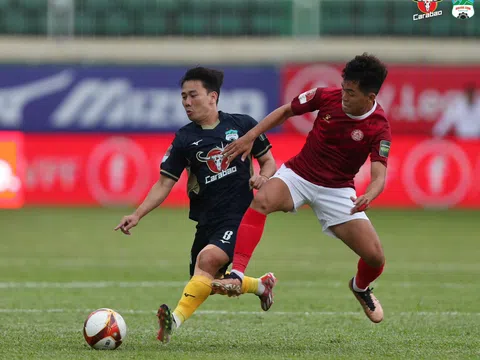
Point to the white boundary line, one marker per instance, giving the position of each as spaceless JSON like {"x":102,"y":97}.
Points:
{"x":153,"y":284}
{"x":270,"y":313}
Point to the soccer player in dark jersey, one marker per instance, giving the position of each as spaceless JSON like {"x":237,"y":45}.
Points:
{"x":220,"y":192}
{"x":349,"y":127}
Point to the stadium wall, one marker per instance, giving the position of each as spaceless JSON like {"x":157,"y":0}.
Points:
{"x":237,"y":51}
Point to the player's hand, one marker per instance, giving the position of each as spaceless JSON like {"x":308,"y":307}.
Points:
{"x":242,"y":146}
{"x":256,"y":181}
{"x":361,"y":203}
{"x":127,"y":223}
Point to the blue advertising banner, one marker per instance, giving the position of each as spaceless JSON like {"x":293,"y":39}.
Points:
{"x":114,"y":98}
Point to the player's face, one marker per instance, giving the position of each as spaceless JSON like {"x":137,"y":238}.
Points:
{"x":354,"y":101}
{"x":196,"y":100}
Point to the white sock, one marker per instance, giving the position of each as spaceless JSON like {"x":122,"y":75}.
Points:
{"x":177,"y":320}
{"x":356,"y":288}
{"x":261,"y":288}
{"x":238,"y":273}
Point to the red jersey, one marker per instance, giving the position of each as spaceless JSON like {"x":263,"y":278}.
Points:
{"x":339,"y":144}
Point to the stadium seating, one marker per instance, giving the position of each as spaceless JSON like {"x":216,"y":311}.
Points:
{"x":235,"y":18}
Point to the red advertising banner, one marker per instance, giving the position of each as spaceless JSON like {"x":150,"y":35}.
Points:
{"x":424,"y":172}
{"x":82,"y":170}
{"x":414,"y":97}
{"x":11,"y":169}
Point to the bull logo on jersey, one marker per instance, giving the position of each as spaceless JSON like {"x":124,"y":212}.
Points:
{"x":217,"y":163}
{"x":215,"y":160}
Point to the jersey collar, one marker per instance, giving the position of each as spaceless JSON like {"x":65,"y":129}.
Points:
{"x":364,"y":116}
{"x":211,"y":127}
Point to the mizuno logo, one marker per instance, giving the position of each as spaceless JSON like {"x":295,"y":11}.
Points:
{"x":196,"y":142}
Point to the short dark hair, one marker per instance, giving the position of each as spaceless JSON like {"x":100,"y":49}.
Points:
{"x":366,"y":70}
{"x":211,"y":79}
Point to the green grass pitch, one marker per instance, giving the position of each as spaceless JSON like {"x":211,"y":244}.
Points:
{"x":57,"y":265}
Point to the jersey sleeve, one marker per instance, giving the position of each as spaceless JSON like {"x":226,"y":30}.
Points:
{"x":381,"y":146}
{"x":308,"y":101}
{"x":174,"y":161}
{"x":261,"y":144}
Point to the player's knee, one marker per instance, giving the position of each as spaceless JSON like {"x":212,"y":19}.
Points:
{"x":261,"y":203}
{"x":211,"y":261}
{"x":376,"y":257}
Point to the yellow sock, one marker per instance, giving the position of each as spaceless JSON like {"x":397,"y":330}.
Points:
{"x":195,"y":293}
{"x":249,"y":285}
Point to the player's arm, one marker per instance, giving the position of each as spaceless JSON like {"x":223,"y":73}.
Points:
{"x":268,"y":167}
{"x":379,"y":152}
{"x":306,"y":102}
{"x":173,"y":164}
{"x":378,"y":174}
{"x":156,"y":196}
{"x":244,"y":144}
{"x":275,"y":118}
{"x":261,"y":151}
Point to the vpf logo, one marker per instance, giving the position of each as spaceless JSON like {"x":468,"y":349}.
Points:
{"x":215,"y":160}
{"x":427,"y":6}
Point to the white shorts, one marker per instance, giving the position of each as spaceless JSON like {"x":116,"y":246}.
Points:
{"x":331,"y":205}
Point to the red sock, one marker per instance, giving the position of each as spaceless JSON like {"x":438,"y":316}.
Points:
{"x":366,"y":274}
{"x":248,"y":236}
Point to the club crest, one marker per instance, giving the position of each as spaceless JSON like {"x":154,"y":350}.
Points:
{"x":231,"y":135}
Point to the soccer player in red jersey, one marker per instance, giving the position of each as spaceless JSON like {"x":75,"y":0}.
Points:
{"x":350,"y":126}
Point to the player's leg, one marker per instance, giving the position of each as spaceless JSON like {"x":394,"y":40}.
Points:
{"x":283,"y":192}
{"x":360,"y":236}
{"x":332,"y":207}
{"x":198,"y":289}
{"x":262,"y":287}
{"x":273,"y":196}
{"x":225,"y":238}
{"x":210,"y":256}
{"x":205,"y":262}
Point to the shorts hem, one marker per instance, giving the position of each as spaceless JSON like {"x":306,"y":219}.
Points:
{"x":289,"y":186}
{"x":356,"y":216}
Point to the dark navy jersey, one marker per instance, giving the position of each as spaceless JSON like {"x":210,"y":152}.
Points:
{"x":217,"y":189}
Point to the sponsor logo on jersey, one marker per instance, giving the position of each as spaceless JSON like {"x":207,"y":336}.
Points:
{"x":463,"y":9}
{"x":428,"y":9}
{"x":307,"y":96}
{"x":384,"y":148}
{"x":357,"y":135}
{"x":231,"y":135}
{"x":217,"y":163}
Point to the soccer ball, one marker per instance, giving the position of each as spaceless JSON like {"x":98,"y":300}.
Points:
{"x":104,"y":329}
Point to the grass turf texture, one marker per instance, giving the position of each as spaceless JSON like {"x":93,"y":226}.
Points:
{"x":57,"y":265}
